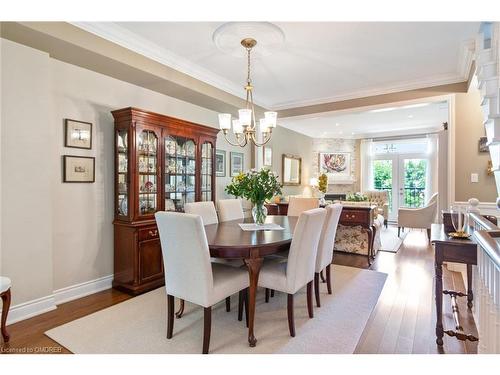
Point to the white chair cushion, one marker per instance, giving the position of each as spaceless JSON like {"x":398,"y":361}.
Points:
{"x":227,"y":281}
{"x":273,"y":275}
{"x":230,"y":209}
{"x":327,"y":239}
{"x":5,"y":284}
{"x":205,"y":209}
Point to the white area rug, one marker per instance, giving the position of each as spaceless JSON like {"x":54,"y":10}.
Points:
{"x":139,"y":324}
{"x":389,"y":240}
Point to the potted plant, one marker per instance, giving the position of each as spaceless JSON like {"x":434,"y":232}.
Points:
{"x":258,"y":187}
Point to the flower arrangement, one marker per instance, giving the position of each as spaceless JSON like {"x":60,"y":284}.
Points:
{"x":356,"y":197}
{"x":323,"y":183}
{"x":258,"y":187}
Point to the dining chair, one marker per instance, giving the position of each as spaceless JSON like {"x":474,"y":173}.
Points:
{"x":205,"y":209}
{"x":298,"y":205}
{"x":289,"y":277}
{"x":326,"y":243}
{"x":230,"y":209}
{"x":5,"y":295}
{"x":189,"y":274}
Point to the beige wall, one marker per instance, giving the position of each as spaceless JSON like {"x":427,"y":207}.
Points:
{"x":55,"y":234}
{"x":468,"y":128}
{"x":285,"y":141}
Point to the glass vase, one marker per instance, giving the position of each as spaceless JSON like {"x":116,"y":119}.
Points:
{"x":259,"y":213}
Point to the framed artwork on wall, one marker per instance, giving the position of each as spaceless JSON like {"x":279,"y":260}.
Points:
{"x":482,"y":147}
{"x":236,"y":163}
{"x":78,"y":169}
{"x":267,"y":156}
{"x":77,"y":134}
{"x":335,"y":163}
{"x":220,"y":163}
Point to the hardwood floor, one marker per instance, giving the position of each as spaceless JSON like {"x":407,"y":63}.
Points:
{"x":402,"y":322}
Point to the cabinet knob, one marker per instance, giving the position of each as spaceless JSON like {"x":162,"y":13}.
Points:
{"x":153,"y":233}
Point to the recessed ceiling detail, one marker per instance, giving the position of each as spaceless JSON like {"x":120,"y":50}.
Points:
{"x":228,"y":36}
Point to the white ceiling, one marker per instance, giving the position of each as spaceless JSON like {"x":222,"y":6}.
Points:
{"x":318,"y":62}
{"x":403,"y":120}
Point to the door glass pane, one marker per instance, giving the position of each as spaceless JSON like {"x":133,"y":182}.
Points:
{"x":415,"y":172}
{"x":123,"y":188}
{"x":147,"y":146}
{"x":382,"y":178}
{"x":206,"y":171}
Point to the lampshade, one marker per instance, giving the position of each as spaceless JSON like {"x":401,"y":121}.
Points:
{"x":225,"y":121}
{"x":237,"y":128}
{"x":313,"y":181}
{"x":245,"y":116}
{"x":271,"y":117}
{"x":263,"y":125}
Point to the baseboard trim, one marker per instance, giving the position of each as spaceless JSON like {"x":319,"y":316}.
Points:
{"x":73,"y":292}
{"x":42,"y":305}
{"x":30,"y":309}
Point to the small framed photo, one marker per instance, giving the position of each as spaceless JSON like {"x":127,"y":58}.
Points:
{"x":236,"y":163}
{"x":267,"y":156}
{"x":77,"y":134}
{"x":78,"y":169}
{"x":220,"y":163}
{"x":482,"y":144}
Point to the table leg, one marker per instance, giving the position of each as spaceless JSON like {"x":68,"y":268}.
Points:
{"x":470,"y":295}
{"x":253,"y":265}
{"x":439,"y":303}
{"x":369,"y":231}
{"x":374,"y":229}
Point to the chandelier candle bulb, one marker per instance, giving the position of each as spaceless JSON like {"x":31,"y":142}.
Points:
{"x":225,"y":121}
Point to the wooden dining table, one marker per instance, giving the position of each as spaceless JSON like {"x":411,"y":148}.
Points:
{"x":228,"y":241}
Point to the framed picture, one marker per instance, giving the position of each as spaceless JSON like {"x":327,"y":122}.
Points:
{"x":78,"y":169}
{"x":267,"y":156}
{"x":77,"y":134}
{"x":482,"y":147}
{"x":220,"y":163}
{"x":236,"y":163}
{"x":335,"y":163}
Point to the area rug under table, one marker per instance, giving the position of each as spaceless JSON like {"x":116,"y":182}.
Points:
{"x":138,"y":325}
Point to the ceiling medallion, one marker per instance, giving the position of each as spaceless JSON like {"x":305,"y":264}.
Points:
{"x":245,"y":127}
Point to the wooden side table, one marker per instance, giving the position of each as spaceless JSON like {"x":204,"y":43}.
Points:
{"x":458,"y":251}
{"x":5,"y":295}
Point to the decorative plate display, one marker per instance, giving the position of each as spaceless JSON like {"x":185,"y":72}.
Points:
{"x":122,"y":207}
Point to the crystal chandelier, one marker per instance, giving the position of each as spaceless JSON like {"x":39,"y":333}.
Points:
{"x":245,"y":127}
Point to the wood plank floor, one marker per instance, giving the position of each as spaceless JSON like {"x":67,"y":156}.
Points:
{"x":402,"y":322}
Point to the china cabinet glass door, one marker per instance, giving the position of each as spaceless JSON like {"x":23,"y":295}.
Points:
{"x":147,"y":151}
{"x":206,"y":171}
{"x":180,"y":172}
{"x":122,"y":171}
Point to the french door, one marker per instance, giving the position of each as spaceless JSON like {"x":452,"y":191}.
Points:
{"x":404,"y":177}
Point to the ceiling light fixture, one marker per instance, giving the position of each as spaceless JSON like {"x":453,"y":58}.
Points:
{"x":245,"y":127}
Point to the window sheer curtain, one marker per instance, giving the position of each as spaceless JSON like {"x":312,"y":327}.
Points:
{"x":366,"y":172}
{"x":432,"y":181}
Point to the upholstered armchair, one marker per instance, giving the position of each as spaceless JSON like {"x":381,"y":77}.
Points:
{"x":418,"y":217}
{"x":381,"y":199}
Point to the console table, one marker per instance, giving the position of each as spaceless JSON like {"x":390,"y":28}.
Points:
{"x":457,"y":251}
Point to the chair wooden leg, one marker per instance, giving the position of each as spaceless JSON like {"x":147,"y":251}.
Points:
{"x":207,"y":328}
{"x":240,"y":305}
{"x":399,"y":231}
{"x":272,"y":293}
{"x":170,"y":316}
{"x":329,"y":279}
{"x":267,"y":295}
{"x":6,"y":297}
{"x":228,"y":304}
{"x":316,"y":289}
{"x":429,"y":234}
{"x":180,"y":312}
{"x":322,"y":277}
{"x":291,"y":322}
{"x":245,"y":304}
{"x":310,"y":299}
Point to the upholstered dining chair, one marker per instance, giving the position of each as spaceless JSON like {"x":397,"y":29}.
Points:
{"x":189,"y":274}
{"x":419,"y":217}
{"x":298,"y":205}
{"x":325,"y":248}
{"x":205,"y":209}
{"x":230,"y":209}
{"x":289,"y":277}
{"x":5,"y":285}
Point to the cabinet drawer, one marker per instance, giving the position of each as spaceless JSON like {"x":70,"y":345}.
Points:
{"x":352,"y":216}
{"x":150,"y":233}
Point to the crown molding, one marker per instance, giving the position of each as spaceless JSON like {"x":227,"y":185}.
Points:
{"x":466,"y":58}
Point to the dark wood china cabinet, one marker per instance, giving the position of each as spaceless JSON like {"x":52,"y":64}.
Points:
{"x":161,"y":163}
